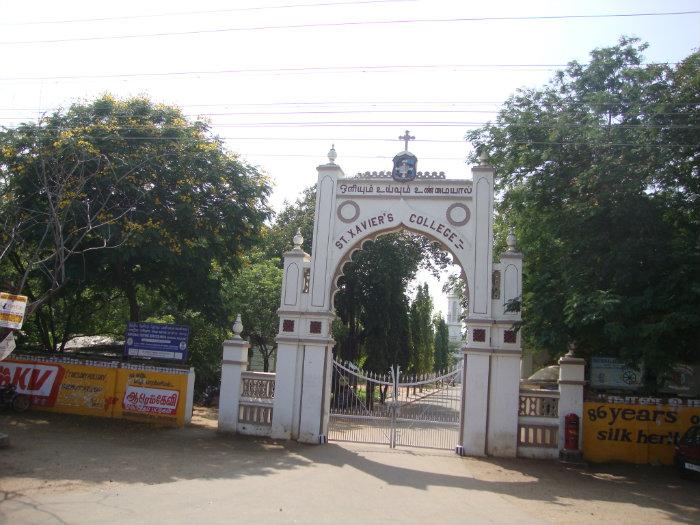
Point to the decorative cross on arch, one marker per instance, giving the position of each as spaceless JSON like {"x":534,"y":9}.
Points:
{"x":406,"y":137}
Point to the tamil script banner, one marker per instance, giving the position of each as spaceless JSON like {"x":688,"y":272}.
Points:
{"x":151,"y":395}
{"x":151,"y":400}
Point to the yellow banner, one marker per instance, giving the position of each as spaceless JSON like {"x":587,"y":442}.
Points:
{"x":86,"y":390}
{"x":122,"y":390}
{"x":634,"y":433}
{"x":151,"y":396}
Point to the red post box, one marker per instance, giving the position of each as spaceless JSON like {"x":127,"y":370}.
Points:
{"x":571,"y":427}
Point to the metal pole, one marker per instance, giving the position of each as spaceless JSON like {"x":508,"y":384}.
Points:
{"x":392,"y":432}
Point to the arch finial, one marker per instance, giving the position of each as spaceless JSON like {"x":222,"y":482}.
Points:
{"x":511,"y":240}
{"x":332,"y":155}
{"x":483,"y":158}
{"x":298,"y":240}
{"x":237,"y":327}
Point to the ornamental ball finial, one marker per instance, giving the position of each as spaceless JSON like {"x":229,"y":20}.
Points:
{"x":298,"y":240}
{"x":483,"y":158}
{"x":332,"y":155}
{"x":237,"y":327}
{"x":511,"y":240}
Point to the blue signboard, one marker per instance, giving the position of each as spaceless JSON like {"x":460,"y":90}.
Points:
{"x":156,"y":341}
{"x":608,"y":372}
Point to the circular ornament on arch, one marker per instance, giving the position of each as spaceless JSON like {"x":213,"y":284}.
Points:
{"x":348,"y":211}
{"x":458,"y":214}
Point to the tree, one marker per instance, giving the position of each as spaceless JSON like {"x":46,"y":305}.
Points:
{"x":372,"y":302}
{"x":422,"y":360}
{"x":441,"y":344}
{"x":599,"y":176}
{"x":59,"y":199}
{"x":135,"y":177}
{"x":294,"y":216}
{"x":255,"y":294}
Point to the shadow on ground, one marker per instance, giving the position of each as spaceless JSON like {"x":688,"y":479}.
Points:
{"x":71,"y":449}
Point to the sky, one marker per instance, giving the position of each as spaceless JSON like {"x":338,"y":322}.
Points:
{"x":282,"y":80}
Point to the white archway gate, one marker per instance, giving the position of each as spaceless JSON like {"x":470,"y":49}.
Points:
{"x":456,"y":213}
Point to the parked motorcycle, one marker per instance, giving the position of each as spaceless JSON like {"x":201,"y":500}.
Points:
{"x":210,"y":396}
{"x":10,"y":397}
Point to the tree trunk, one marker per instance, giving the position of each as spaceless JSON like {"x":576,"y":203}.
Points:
{"x":266,"y":359}
{"x":134,"y":309}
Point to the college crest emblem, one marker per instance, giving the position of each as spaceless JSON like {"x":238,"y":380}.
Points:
{"x":404,"y":167}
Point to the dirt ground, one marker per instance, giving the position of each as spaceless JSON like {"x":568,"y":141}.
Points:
{"x":71,"y":469}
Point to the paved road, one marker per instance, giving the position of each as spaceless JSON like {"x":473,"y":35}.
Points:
{"x":75,"y":470}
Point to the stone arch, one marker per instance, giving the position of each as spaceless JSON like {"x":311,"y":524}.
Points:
{"x":456,"y":213}
{"x":359,"y":245}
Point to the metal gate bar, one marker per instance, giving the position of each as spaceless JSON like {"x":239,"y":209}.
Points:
{"x":416,"y":411}
{"x":353,"y":416}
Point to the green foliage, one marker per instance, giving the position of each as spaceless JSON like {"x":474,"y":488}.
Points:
{"x":297,"y":216}
{"x":372,"y":303}
{"x":141,"y":178}
{"x":255,"y":293}
{"x":135,"y":177}
{"x":441,"y":344}
{"x":124,"y":209}
{"x":598,"y":173}
{"x":422,"y":358}
{"x":204,"y":348}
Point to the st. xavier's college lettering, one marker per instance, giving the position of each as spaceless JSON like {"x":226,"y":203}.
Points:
{"x":359,"y":227}
{"x":437,"y":227}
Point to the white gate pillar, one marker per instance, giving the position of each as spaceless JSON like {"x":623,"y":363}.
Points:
{"x":285,"y":419}
{"x":504,"y":393}
{"x":288,"y":380}
{"x":475,"y":382}
{"x":571,"y":382}
{"x":300,"y":409}
{"x":315,"y":401}
{"x":235,"y":361}
{"x":504,"y":389}
{"x":492,"y":360}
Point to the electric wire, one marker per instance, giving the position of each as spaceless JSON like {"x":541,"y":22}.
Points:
{"x":402,"y":123}
{"x":663,"y":145}
{"x":372,"y":104}
{"x":347,"y":24}
{"x":318,"y":69}
{"x":207,"y":12}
